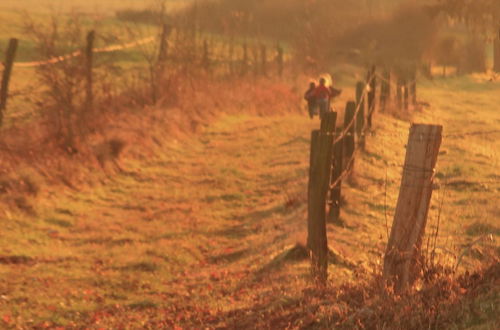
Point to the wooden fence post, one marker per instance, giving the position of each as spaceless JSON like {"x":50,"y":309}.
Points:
{"x":205,"y":62}
{"x":399,"y":92}
{"x":360,"y":118}
{"x":263,"y":59}
{"x":385,"y":90}
{"x":163,"y":50}
{"x":89,"y":59}
{"x":7,"y":71}
{"x":280,"y":60}
{"x":319,"y":183}
{"x":349,"y":139}
{"x":402,"y":257}
{"x":335,"y":191}
{"x":372,"y":80}
{"x":406,"y":96}
{"x":244,"y":61}
{"x":413,"y":86}
{"x":496,"y":53}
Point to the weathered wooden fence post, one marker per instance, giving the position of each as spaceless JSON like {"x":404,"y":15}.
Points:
{"x":349,"y":140}
{"x":406,"y":96}
{"x":402,"y":257}
{"x":360,"y":117}
{"x":399,"y":92}
{"x":7,"y":71}
{"x":335,"y":188}
{"x":413,"y":86}
{"x":319,"y":183}
{"x":163,"y":50}
{"x":372,"y":82}
{"x":385,"y":89}
{"x":496,"y":53}
{"x":89,"y":62}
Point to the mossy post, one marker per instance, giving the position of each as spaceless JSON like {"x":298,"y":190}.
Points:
{"x":7,"y":71}
{"x":335,"y":191}
{"x":349,"y":140}
{"x":360,"y":117}
{"x":89,"y":59}
{"x":402,"y":261}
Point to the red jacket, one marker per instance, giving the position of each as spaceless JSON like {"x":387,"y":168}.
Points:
{"x":322,"y":92}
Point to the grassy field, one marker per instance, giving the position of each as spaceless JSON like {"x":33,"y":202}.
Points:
{"x":193,"y":232}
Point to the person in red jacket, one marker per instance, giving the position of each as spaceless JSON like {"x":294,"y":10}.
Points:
{"x":322,"y":95}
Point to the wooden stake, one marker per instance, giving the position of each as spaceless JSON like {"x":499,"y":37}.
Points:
{"x":360,"y":118}
{"x":7,"y":71}
{"x":335,"y":191}
{"x":319,"y":180}
{"x":89,"y":59}
{"x":349,"y":140}
{"x":401,"y":262}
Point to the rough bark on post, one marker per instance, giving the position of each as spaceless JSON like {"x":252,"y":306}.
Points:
{"x":360,"y":117}
{"x":335,"y":190}
{"x":319,"y":180}
{"x":401,"y":261}
{"x":349,"y":139}
{"x":7,"y":71}
{"x":89,"y":59}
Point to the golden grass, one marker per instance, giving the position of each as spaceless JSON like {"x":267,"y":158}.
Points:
{"x":187,"y":235}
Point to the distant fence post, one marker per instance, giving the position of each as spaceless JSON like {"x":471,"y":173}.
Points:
{"x":319,"y":182}
{"x":205,"y":62}
{"x":335,"y":190}
{"x":406,"y":96}
{"x":89,"y":59}
{"x":7,"y":71}
{"x":399,"y":92}
{"x":163,"y":50}
{"x":385,"y":90}
{"x":263,"y":59}
{"x":349,"y":139}
{"x":401,"y":261}
{"x":372,"y":82}
{"x":244,"y":60}
{"x":360,"y":118}
{"x":413,"y":86}
{"x":280,"y":60}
